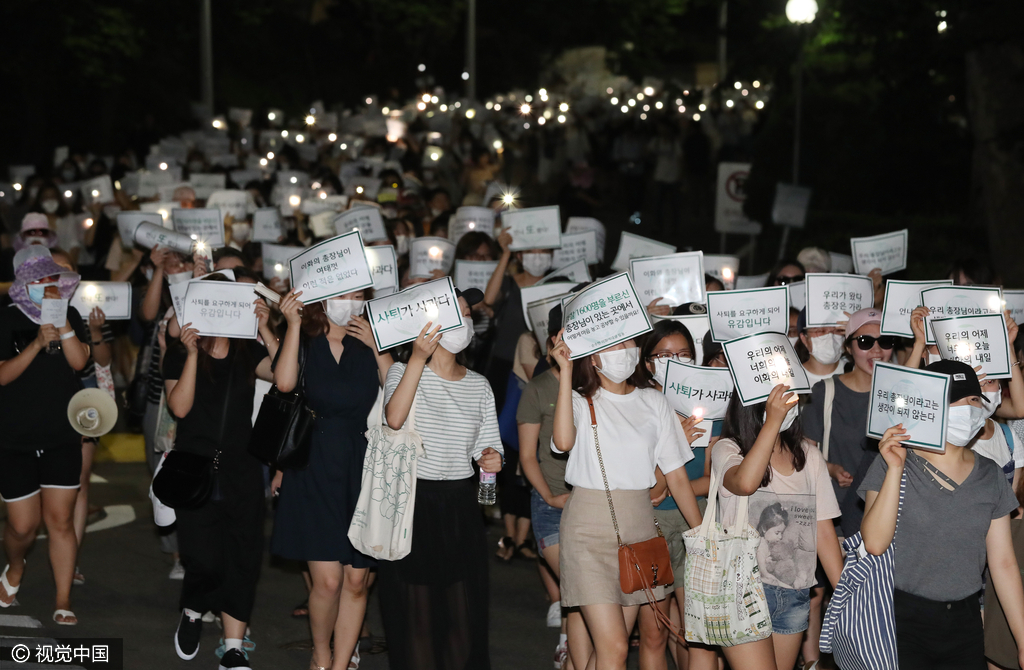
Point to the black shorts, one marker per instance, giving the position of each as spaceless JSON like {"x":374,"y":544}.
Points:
{"x":23,"y":473}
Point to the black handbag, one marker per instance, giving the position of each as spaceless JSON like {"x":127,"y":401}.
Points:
{"x":283,"y":432}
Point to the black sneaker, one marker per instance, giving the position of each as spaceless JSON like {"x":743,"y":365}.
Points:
{"x":234,"y":658}
{"x":186,"y":638}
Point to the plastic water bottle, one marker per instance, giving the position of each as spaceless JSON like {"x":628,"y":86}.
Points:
{"x":487,"y":494}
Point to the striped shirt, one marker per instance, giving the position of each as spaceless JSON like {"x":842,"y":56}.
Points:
{"x":456,"y":420}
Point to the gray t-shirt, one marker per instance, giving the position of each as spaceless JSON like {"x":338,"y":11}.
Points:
{"x":848,"y":444}
{"x":538,"y":406}
{"x":940,"y":541}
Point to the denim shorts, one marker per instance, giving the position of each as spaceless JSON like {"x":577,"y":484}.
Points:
{"x":545,"y":519}
{"x":790,"y":609}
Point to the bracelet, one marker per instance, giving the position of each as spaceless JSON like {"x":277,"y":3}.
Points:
{"x":68,"y":335}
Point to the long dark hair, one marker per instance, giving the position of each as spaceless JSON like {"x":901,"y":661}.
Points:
{"x":661,"y":330}
{"x":586,"y":382}
{"x":743,"y":425}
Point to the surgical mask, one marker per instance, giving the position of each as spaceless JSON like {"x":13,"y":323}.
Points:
{"x":619,"y":365}
{"x":50,"y":206}
{"x":36,"y":292}
{"x":402,"y":244}
{"x":930,"y":358}
{"x":991,"y":401}
{"x":241,"y":232}
{"x":457,"y":339}
{"x":340,"y":311}
{"x":827,"y":349}
{"x":537,"y":264}
{"x":788,"y":420}
{"x":660,"y":371}
{"x":963,"y":424}
{"x":178,"y":277}
{"x":793,"y":340}
{"x":149,"y":273}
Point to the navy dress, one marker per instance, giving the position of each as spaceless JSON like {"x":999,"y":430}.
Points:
{"x":317,"y":503}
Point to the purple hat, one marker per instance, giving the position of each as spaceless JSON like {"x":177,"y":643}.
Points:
{"x":33,"y":263}
{"x":35,"y":221}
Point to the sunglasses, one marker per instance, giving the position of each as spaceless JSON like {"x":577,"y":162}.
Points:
{"x":865,"y":342}
{"x":785,"y":279}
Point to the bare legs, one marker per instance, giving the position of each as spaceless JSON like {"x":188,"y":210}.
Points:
{"x":337,"y":605}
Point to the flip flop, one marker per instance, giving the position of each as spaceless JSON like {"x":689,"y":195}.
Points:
{"x":67,"y":614}
{"x":8,"y":590}
{"x":353,"y":663}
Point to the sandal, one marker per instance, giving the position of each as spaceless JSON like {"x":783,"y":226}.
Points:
{"x":353,"y":663}
{"x":8,"y":590}
{"x":505,"y":544}
{"x":69,"y":618}
{"x":79,"y":578}
{"x":314,"y":666}
{"x":301,"y":611}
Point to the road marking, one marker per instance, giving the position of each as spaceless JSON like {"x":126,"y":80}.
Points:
{"x":19,"y":621}
{"x":117,"y":515}
{"x":96,"y":479}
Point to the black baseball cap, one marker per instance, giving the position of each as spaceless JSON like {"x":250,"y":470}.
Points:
{"x":964,"y":380}
{"x":471,"y":295}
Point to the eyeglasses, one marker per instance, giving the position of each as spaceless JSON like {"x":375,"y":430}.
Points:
{"x":786,"y":279}
{"x":681,"y":357}
{"x":865,"y":342}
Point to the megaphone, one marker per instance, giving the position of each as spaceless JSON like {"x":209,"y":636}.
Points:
{"x":92,"y":412}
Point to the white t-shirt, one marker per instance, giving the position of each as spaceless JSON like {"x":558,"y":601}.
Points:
{"x":638,"y":432}
{"x":785,"y":513}
{"x":1007,"y":456}
{"x":814,"y":379}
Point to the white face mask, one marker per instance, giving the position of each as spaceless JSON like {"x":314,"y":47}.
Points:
{"x":36,"y":292}
{"x":930,"y":358}
{"x":402,"y":244}
{"x":790,"y":417}
{"x":457,"y":339}
{"x":660,"y":371}
{"x":241,"y":232}
{"x":964,"y":423}
{"x":50,"y":206}
{"x":827,"y":349}
{"x":149,"y":273}
{"x":340,"y":311}
{"x":537,"y":264}
{"x":619,"y":365}
{"x":178,"y":277}
{"x":793,"y":340}
{"x":991,"y":400}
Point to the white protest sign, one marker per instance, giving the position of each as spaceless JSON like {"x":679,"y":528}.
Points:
{"x":975,"y":340}
{"x":602,"y":315}
{"x":723,"y":268}
{"x":676,"y":278}
{"x":537,"y":318}
{"x":266,"y":225}
{"x":98,"y":190}
{"x":469,"y":220}
{"x":583,"y":224}
{"x":473,"y":274}
{"x":321,"y":224}
{"x":367,"y":220}
{"x":841,"y":262}
{"x":368,"y":187}
{"x":531,"y":294}
{"x":578,"y":272}
{"x":695,"y":390}
{"x":830,"y":295}
{"x":1014,"y":301}
{"x":753,"y":281}
{"x":150,"y":235}
{"x":918,"y":399}
{"x":399,"y":318}
{"x":634,"y":246}
{"x":901,"y":299}
{"x":114,"y":298}
{"x":576,"y":247}
{"x":164,"y":209}
{"x":886,"y":252}
{"x":332,"y":267}
{"x":746,"y":312}
{"x":790,"y":207}
{"x":275,"y":260}
{"x":206,"y":184}
{"x":383,"y":267}
{"x":946,"y":301}
{"x":150,"y":182}
{"x":203,"y":225}
{"x":220,"y":309}
{"x":759,"y":363}
{"x":127,"y":222}
{"x":427,"y":254}
{"x":533,"y":227}
{"x":698,"y":325}
{"x":235,"y":203}
{"x":730,"y":195}
{"x":177,"y":292}
{"x":54,"y":311}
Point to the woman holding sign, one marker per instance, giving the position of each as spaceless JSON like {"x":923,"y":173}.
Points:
{"x":955,"y":518}
{"x":331,"y":346}
{"x":607,"y":414}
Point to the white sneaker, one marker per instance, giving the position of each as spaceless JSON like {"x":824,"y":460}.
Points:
{"x":209,"y":617}
{"x":177,"y":572}
{"x":555,"y":615}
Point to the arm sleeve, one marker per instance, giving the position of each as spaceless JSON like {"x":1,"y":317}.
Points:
{"x":1007,"y":500}
{"x":489,"y":436}
{"x":874,"y":478}
{"x":725,"y":456}
{"x":395,"y":373}
{"x":529,"y":405}
{"x":672,"y":451}
{"x":813,"y":417}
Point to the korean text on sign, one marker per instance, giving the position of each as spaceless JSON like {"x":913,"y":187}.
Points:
{"x":949,"y":301}
{"x":676,"y":278}
{"x":220,"y":309}
{"x":918,"y":399}
{"x":976,"y":340}
{"x":886,"y":252}
{"x":748,"y":311}
{"x":114,"y":298}
{"x":399,"y":317}
{"x":603,"y":314}
{"x":901,"y":299}
{"x":692,"y":389}
{"x":830,"y":297}
{"x":332,"y":267}
{"x":533,"y":227}
{"x":759,"y":363}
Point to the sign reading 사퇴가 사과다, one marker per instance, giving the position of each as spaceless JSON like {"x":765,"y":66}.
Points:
{"x":399,"y":317}
{"x":916,"y":398}
{"x":602,"y":315}
{"x":693,"y":389}
{"x":383,"y":262}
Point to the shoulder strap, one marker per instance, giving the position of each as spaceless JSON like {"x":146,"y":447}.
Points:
{"x":830,"y":396}
{"x":1008,"y":434}
{"x":604,"y":475}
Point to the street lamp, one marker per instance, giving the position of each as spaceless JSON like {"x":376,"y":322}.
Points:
{"x":801,"y":11}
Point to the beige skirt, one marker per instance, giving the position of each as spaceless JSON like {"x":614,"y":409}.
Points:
{"x":589,"y":552}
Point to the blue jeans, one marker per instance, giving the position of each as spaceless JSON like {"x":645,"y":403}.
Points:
{"x":790,"y":609}
{"x":545,"y":519}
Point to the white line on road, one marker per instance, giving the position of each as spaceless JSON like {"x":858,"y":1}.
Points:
{"x":19,"y":621}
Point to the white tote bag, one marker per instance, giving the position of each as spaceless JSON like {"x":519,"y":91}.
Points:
{"x":382,"y":523}
{"x":725,"y":602}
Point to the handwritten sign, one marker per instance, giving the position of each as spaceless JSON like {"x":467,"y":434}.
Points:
{"x":886,"y":252}
{"x":602,"y":315}
{"x":127,"y":222}
{"x":634,"y":246}
{"x":676,"y":278}
{"x":204,"y":225}
{"x":383,"y":264}
{"x":54,"y":312}
{"x":692,"y":389}
{"x":538,"y":313}
{"x":470,"y":220}
{"x":531,"y":294}
{"x":220,"y":309}
{"x":533,"y":227}
{"x":399,"y":318}
{"x":723,"y":268}
{"x":367,"y":220}
{"x":98,"y":190}
{"x":947,"y":301}
{"x":749,"y":311}
{"x":233,"y":202}
{"x":275,"y":260}
{"x":1014,"y":301}
{"x":427,"y":254}
{"x":332,"y":267}
{"x":901,"y":299}
{"x":114,"y":298}
{"x":975,"y":340}
{"x":698,"y":325}
{"x":583,"y":224}
{"x":266,"y":225}
{"x":830,"y":295}
{"x":151,"y":236}
{"x":916,"y":398}
{"x":578,"y":272}
{"x":759,"y":363}
{"x":576,"y":247}
{"x":473,"y":274}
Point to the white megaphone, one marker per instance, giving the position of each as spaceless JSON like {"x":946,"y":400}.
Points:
{"x":92,"y":412}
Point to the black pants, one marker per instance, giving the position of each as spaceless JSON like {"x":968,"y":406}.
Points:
{"x":932,"y":635}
